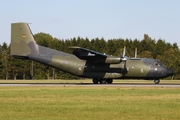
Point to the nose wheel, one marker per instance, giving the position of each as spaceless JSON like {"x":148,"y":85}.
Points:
{"x":156,"y":81}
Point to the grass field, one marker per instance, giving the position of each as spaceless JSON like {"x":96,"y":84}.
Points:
{"x":89,"y":103}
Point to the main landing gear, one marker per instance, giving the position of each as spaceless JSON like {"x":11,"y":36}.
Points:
{"x":157,"y":81}
{"x":102,"y":80}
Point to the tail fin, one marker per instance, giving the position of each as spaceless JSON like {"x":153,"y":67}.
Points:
{"x":22,"y":40}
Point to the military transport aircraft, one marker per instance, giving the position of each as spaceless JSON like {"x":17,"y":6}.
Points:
{"x":86,"y":63}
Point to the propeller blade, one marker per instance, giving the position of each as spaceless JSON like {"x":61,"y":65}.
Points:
{"x":124,"y":51}
{"x":135,"y":54}
{"x":123,"y":58}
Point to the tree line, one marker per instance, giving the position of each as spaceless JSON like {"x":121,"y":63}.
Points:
{"x":12,"y":68}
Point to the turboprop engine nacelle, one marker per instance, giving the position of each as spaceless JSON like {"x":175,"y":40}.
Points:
{"x":113,"y":60}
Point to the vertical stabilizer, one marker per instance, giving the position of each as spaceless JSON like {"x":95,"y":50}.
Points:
{"x":22,"y":40}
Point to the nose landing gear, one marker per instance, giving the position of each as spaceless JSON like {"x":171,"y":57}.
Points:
{"x":157,"y":81}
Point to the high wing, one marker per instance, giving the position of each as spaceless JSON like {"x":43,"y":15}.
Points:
{"x":90,"y":55}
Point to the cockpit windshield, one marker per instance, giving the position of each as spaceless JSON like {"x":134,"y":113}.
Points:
{"x":158,"y":63}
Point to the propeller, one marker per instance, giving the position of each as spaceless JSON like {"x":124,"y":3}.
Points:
{"x":124,"y":59}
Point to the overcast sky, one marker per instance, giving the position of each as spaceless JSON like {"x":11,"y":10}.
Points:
{"x":110,"y":19}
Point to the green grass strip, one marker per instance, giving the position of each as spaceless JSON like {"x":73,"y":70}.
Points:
{"x":89,"y":103}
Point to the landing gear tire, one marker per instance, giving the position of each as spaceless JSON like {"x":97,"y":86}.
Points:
{"x":109,"y":81}
{"x":103,"y":81}
{"x":95,"y":80}
{"x":156,"y":81}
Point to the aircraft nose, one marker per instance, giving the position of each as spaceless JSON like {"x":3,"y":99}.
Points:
{"x":170,"y":72}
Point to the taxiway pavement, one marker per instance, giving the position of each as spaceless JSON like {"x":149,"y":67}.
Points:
{"x":91,"y":85}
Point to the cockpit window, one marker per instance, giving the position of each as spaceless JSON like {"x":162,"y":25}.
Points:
{"x":158,"y":64}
